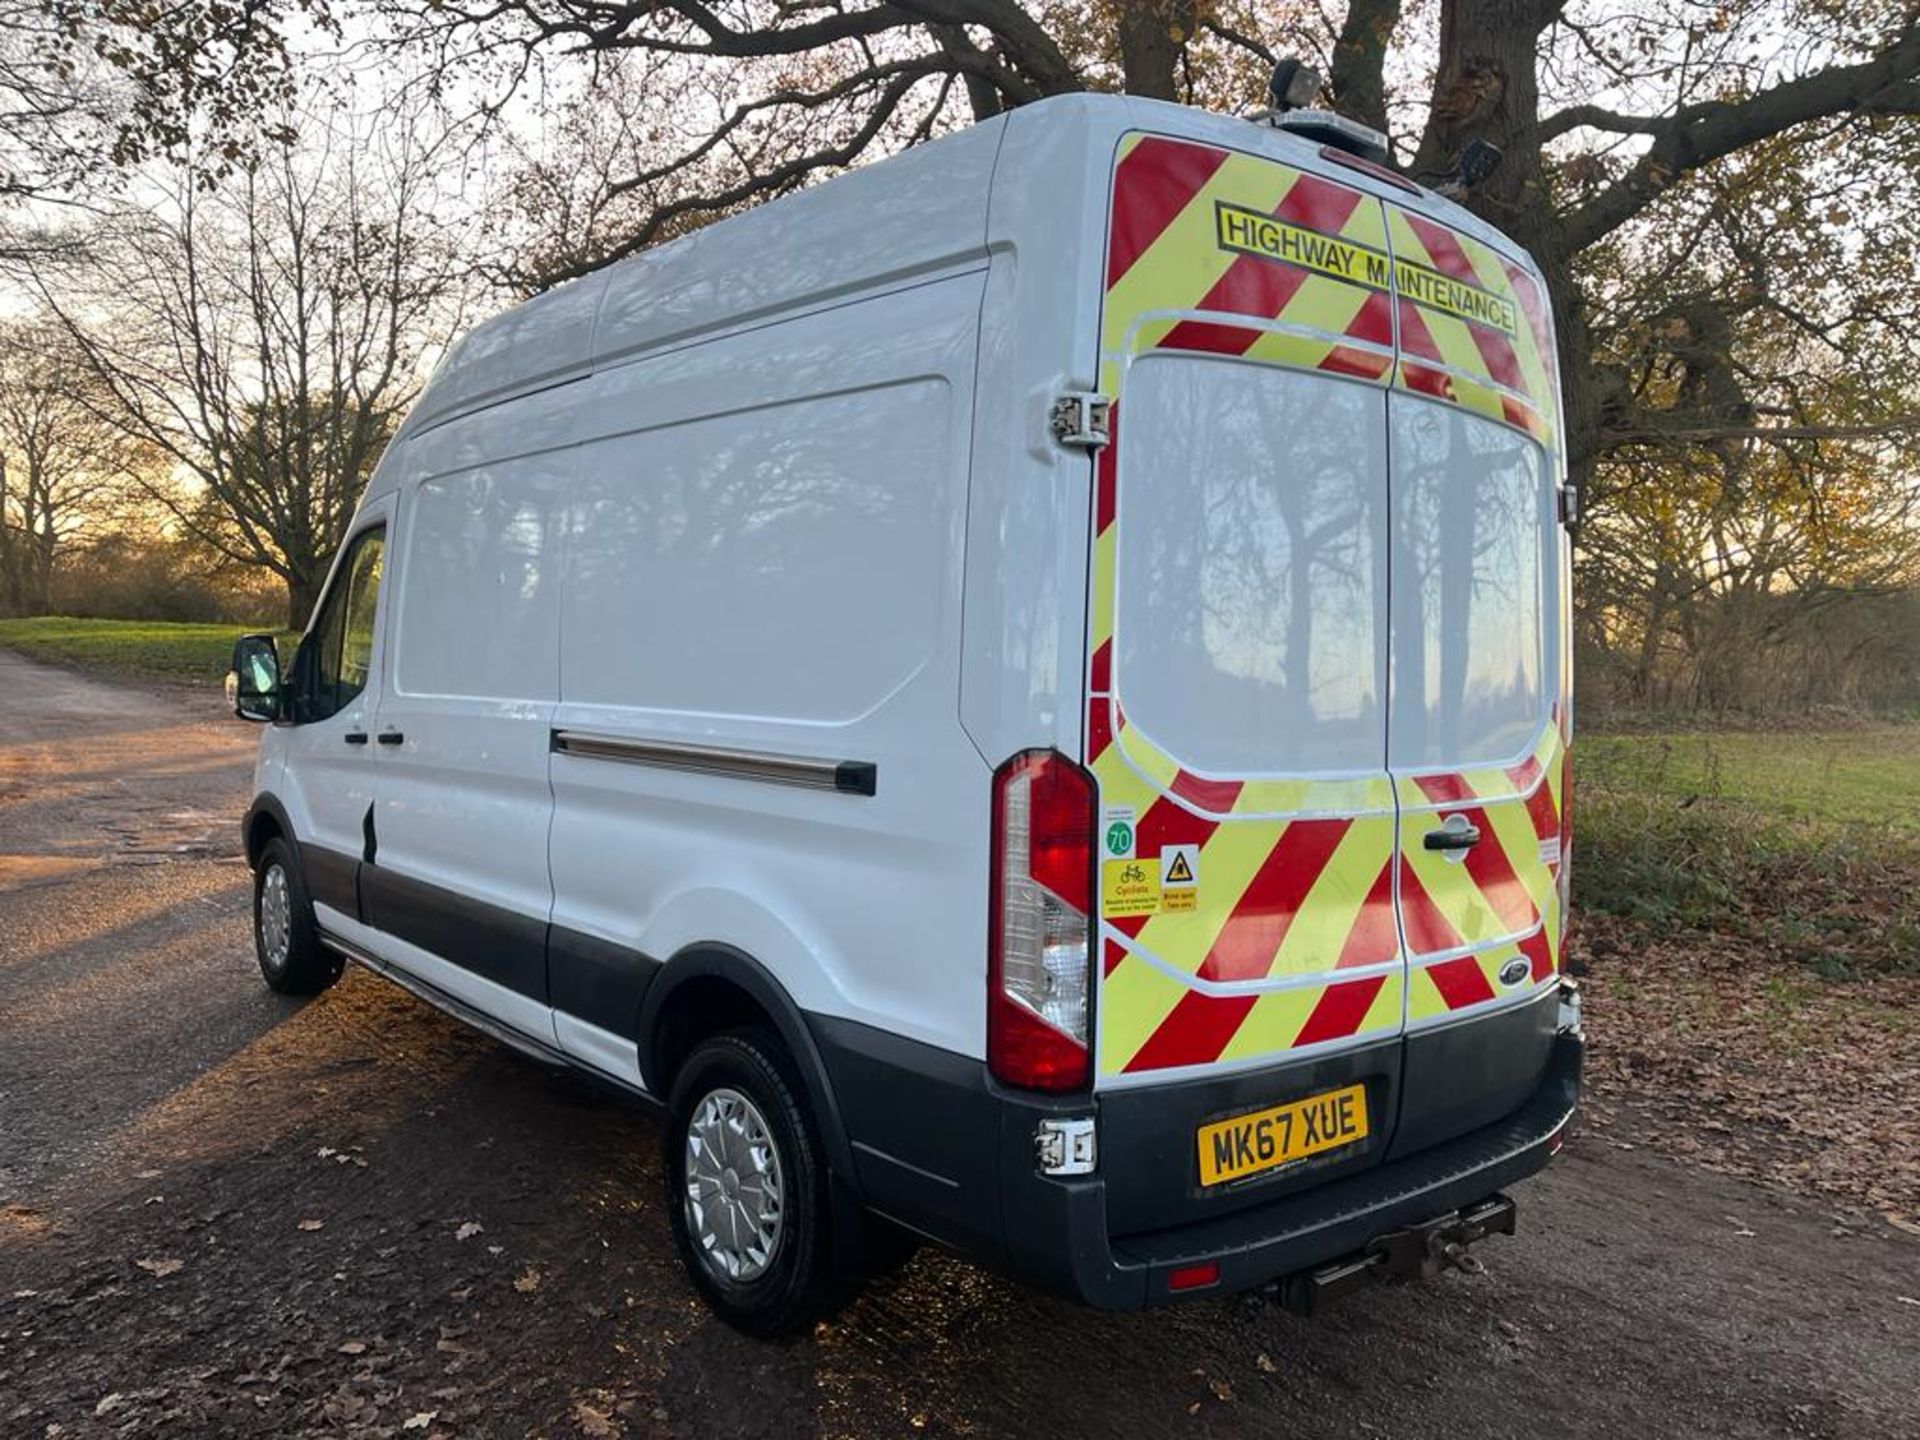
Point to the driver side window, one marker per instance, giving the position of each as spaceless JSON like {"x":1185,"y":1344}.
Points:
{"x":343,"y":639}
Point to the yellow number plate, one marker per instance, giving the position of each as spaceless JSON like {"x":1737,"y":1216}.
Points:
{"x":1266,"y":1139}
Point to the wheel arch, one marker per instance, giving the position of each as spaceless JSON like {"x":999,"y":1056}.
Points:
{"x":709,"y":987}
{"x":265,"y":819}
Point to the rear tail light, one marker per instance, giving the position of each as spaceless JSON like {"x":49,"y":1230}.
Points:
{"x":1039,"y":972}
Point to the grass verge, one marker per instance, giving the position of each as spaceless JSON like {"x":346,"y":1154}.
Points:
{"x":127,"y":649}
{"x":1748,"y":923}
{"x":1805,"y":843}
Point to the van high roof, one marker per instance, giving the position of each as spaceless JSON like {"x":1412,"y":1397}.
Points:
{"x":908,"y":218}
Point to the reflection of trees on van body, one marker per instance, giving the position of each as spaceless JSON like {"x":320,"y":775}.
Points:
{"x":724,"y":537}
{"x":1249,"y":576}
{"x":482,"y":560}
{"x":1469,"y":535}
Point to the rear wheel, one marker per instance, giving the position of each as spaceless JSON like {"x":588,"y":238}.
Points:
{"x":292,"y":959}
{"x":747,"y":1186}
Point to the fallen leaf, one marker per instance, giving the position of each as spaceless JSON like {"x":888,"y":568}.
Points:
{"x":594,"y":1423}
{"x":353,"y":1347}
{"x":311,"y":1225}
{"x":468,"y":1230}
{"x":1222,"y":1391}
{"x":528,"y":1281}
{"x":496,"y":1249}
{"x":29,"y":1294}
{"x":1265,"y":1362}
{"x":107,"y":1402}
{"x":419,"y":1421}
{"x":160,"y":1269}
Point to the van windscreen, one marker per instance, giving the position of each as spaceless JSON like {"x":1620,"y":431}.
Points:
{"x":1250,"y":622}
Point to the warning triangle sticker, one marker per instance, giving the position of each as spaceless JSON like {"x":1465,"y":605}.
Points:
{"x":1180,"y":872}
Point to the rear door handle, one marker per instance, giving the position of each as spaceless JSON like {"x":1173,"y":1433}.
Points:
{"x":355,"y":737}
{"x":391,"y":737}
{"x":1457,"y":837}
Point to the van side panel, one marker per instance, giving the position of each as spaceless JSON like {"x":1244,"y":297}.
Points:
{"x":460,"y":824}
{"x":763,"y":570}
{"x":1030,"y":500}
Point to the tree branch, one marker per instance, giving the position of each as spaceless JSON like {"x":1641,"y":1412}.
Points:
{"x":1700,"y":134}
{"x":775,"y":181}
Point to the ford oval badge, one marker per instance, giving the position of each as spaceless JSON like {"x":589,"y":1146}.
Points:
{"x":1514,"y":971}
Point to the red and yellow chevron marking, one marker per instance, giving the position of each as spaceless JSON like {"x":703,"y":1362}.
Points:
{"x":1502,"y":899}
{"x":1296,"y":875}
{"x":1293,"y":939}
{"x":1493,"y":356}
{"x":1166,"y":260}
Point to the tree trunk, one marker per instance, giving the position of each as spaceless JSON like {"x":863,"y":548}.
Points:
{"x":9,"y":567}
{"x":303,"y":592}
{"x":1358,"y":79}
{"x":1486,"y":88}
{"x":1153,"y":34}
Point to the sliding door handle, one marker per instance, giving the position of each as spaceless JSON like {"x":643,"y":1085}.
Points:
{"x":391,"y":737}
{"x":355,"y":737}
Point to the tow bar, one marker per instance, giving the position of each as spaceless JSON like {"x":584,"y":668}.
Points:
{"x":1422,"y":1250}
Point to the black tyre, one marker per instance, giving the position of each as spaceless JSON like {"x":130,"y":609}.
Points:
{"x":747,"y":1186}
{"x":292,"y":959}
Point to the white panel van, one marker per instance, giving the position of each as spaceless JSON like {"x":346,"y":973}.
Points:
{"x":1022,"y":694}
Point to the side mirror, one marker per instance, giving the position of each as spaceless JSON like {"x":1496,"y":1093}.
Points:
{"x":253,"y":686}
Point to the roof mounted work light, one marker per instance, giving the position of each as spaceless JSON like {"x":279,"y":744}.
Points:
{"x":1292,"y":90}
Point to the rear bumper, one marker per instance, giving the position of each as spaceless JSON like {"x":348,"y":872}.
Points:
{"x":944,"y":1151}
{"x":1258,"y":1246}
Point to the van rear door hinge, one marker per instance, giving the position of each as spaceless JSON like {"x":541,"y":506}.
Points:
{"x":1081,"y":418}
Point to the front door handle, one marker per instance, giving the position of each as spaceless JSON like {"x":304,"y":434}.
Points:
{"x":355,"y":737}
{"x":392,"y":737}
{"x":1453,"y":837}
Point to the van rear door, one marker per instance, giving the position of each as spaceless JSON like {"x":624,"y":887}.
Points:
{"x":1238,"y":634}
{"x":1479,"y":673}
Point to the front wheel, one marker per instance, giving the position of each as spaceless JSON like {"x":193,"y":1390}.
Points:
{"x":747,"y":1186}
{"x":285,"y":939}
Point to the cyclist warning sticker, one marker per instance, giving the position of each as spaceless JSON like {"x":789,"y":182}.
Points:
{"x":1179,"y":877}
{"x":1129,"y":886}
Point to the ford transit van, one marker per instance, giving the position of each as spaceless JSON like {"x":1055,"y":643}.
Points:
{"x":1021,"y":694}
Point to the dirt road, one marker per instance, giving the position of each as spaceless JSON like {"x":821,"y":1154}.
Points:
{"x":222,"y":1213}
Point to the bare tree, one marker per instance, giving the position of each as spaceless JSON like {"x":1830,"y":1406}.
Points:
{"x":266,"y":336}
{"x":60,"y":464}
{"x":752,"y":98}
